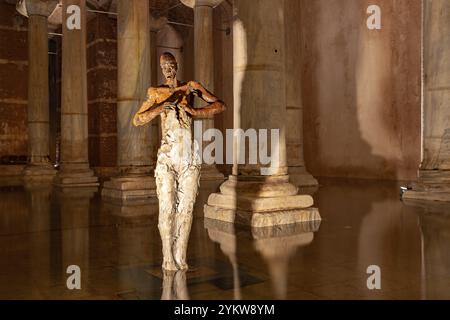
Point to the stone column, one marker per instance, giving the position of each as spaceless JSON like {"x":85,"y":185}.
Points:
{"x":204,"y":63}
{"x":156,"y":24}
{"x":294,"y":131}
{"x":259,"y":194}
{"x":75,"y":171}
{"x":434,"y":173}
{"x":39,"y":166}
{"x":135,"y":158}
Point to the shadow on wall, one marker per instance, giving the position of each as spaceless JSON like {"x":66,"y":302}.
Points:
{"x":361,"y":89}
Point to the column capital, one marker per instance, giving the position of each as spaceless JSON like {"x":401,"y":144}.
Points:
{"x":36,"y":7}
{"x":157,"y":24}
{"x":208,"y":3}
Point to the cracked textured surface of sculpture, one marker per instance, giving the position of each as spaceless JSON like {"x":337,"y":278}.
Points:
{"x":178,"y":167}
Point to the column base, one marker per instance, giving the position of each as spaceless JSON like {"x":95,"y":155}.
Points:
{"x":302,"y":178}
{"x":130,"y":188}
{"x":260,"y":202}
{"x":434,"y":207}
{"x":433,"y":185}
{"x":11,"y":175}
{"x":205,"y":190}
{"x":211,"y":173}
{"x":39,"y":172}
{"x":431,"y":195}
{"x":76,"y":179}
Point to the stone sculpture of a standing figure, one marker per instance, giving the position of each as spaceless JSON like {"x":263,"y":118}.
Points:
{"x":178,"y":166}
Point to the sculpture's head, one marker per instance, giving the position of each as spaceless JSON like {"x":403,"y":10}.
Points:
{"x":169,"y":66}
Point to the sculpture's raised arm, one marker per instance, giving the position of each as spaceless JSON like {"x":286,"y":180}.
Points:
{"x":149,"y":110}
{"x":215,"y":106}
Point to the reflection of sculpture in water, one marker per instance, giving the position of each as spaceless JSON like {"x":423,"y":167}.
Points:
{"x":178,"y":166}
{"x":174,"y":285}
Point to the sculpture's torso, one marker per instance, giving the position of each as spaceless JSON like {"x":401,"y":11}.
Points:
{"x":178,"y":150}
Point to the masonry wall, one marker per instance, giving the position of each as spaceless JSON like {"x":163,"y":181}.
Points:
{"x":13,"y":81}
{"x":361,"y":88}
{"x":102,"y":93}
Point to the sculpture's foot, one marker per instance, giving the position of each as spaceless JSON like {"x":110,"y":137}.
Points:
{"x":183,"y":266}
{"x":170,"y":265}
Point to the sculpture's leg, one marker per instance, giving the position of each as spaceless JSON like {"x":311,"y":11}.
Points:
{"x":188,"y":182}
{"x":166,"y":190}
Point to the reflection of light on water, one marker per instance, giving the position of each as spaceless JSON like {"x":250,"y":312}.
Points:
{"x":277,"y":253}
{"x":276,"y":245}
{"x":434,"y":222}
{"x":227,"y":243}
{"x":174,"y":286}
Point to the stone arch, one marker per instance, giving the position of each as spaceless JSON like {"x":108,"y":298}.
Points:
{"x":168,"y":39}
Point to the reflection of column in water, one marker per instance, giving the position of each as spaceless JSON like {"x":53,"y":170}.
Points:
{"x":202,"y":244}
{"x":136,"y":237}
{"x":39,"y":210}
{"x":175,"y":285}
{"x":276,"y":244}
{"x":74,"y":212}
{"x":277,"y":252}
{"x":14,"y":220}
{"x":227,"y":241}
{"x":435,"y":227}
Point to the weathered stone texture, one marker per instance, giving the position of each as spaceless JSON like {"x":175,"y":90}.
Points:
{"x":102,"y":92}
{"x":13,"y":81}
